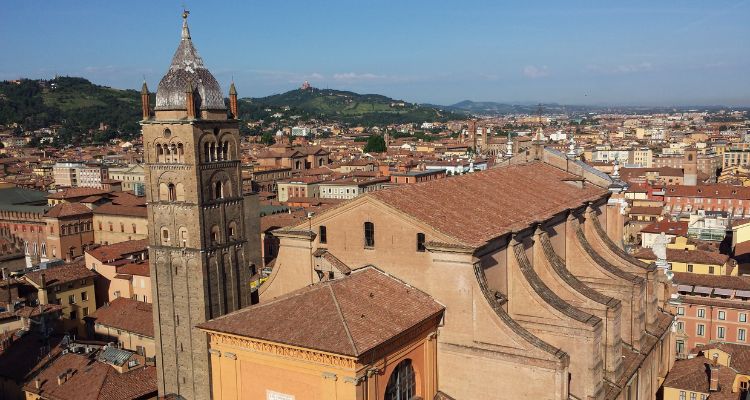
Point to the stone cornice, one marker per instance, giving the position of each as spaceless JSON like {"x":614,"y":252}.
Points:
{"x":281,"y":350}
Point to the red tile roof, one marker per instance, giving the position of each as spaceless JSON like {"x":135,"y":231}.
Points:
{"x":68,"y":210}
{"x":138,"y":268}
{"x":714,"y":191}
{"x":76,"y":192}
{"x":124,"y":210}
{"x":118,"y":251}
{"x":127,"y":314}
{"x":61,"y":275}
{"x":677,"y":228}
{"x":687,"y":256}
{"x":347,"y":316}
{"x":481,"y":206}
{"x":91,"y":380}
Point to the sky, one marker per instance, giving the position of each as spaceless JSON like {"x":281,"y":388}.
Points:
{"x":428,"y":51}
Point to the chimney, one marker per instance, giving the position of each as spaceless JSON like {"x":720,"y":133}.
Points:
{"x":144,"y":102}
{"x":713,"y":384}
{"x":233,"y":101}
{"x":190,"y":101}
{"x":42,"y":292}
{"x":38,"y":383}
{"x":62,"y":378}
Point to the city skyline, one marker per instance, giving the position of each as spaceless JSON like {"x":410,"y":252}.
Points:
{"x":689,"y":54}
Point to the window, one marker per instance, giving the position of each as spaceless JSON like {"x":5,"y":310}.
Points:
{"x":134,"y":230}
{"x":682,"y":395}
{"x":122,"y":227}
{"x":401,"y":384}
{"x":693,"y":395}
{"x":690,"y":267}
{"x":710,"y":270}
{"x":680,"y":310}
{"x":720,"y":332}
{"x":743,"y":317}
{"x":722,"y":315}
{"x":322,"y":234}
{"x":72,"y":299}
{"x":420,"y":242}
{"x":701,"y":330}
{"x":85,"y":311}
{"x":701,"y":313}
{"x":741,"y":334}
{"x":369,"y":234}
{"x":680,"y":326}
{"x":218,"y":190}
{"x":84,"y":296}
{"x":171,"y":192}
{"x":74,"y":314}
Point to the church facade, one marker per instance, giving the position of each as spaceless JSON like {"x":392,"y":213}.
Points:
{"x":203,"y":231}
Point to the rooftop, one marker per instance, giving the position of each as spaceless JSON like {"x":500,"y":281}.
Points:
{"x":348,"y":316}
{"x":127,"y":314}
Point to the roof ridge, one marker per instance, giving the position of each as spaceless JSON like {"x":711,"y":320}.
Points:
{"x":343,"y":320}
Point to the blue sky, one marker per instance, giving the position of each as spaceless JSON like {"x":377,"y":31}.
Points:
{"x":573,"y":52}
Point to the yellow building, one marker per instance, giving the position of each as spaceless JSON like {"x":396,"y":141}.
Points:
{"x":689,"y":259}
{"x":365,"y":336}
{"x":115,"y":222}
{"x":70,"y":286}
{"x":720,"y":371}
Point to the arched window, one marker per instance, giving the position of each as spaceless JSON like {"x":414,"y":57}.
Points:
{"x":215,"y":237}
{"x":180,"y":153}
{"x":110,"y":227}
{"x":122,"y":227}
{"x":369,"y":234}
{"x":134,"y":230}
{"x":183,"y":236}
{"x":401,"y":384}
{"x":232,"y":230}
{"x":213,"y":151}
{"x":172,"y":196}
{"x":159,"y":153}
{"x":206,"y":152}
{"x":225,"y":150}
{"x":44,"y":249}
{"x":173,"y":151}
{"x":218,"y":190}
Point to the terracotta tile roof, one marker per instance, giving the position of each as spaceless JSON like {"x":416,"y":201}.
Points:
{"x":67,"y":210}
{"x":124,"y":210}
{"x":687,"y":256}
{"x":690,"y":375}
{"x":127,"y":314}
{"x":740,"y":360}
{"x":60,"y":275}
{"x":347,"y":316}
{"x":714,"y":281}
{"x":646,"y":210}
{"x":478,"y":207}
{"x":137,"y":268}
{"x":35,"y":311}
{"x":118,"y":251}
{"x":93,"y":380}
{"x":677,"y":228}
{"x":76,"y":192}
{"x":714,"y":191}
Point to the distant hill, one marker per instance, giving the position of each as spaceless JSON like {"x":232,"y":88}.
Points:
{"x":75,"y":103}
{"x":343,"y":106}
{"x":494,"y":108}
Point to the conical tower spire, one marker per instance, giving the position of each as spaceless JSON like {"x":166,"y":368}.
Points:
{"x":185,"y":29}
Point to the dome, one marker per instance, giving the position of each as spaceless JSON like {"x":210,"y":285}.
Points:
{"x":187,"y":69}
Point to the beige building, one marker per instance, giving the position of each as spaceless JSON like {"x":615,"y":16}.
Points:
{"x":117,"y":266}
{"x":536,"y":289}
{"x":117,"y":222}
{"x":132,"y":177}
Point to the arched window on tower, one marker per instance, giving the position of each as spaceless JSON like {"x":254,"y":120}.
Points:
{"x":225,"y":150}
{"x":172,"y":195}
{"x":213,"y":151}
{"x":159,"y":153}
{"x":173,"y":151}
{"x":180,"y":153}
{"x":402,"y":384}
{"x":218,"y":190}
{"x":165,"y":236}
{"x":206,"y":152}
{"x":183,"y":236}
{"x":167,"y":156}
{"x":215,"y":235}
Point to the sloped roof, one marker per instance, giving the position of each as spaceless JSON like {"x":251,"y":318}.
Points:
{"x":60,"y":275}
{"x":347,"y":316}
{"x":481,"y":206}
{"x":62,"y":210}
{"x":687,"y":256}
{"x":127,"y":314}
{"x":93,"y":380}
{"x":118,"y":251}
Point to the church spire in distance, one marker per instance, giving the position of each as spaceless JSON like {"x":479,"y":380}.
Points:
{"x":185,"y":29}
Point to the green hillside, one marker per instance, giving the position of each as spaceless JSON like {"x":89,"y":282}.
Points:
{"x":342,"y":106}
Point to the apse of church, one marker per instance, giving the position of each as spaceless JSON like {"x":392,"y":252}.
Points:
{"x":203,"y":230}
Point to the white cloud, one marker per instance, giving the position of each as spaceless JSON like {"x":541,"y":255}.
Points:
{"x":533,"y":72}
{"x":356,"y":77}
{"x":622,"y":68}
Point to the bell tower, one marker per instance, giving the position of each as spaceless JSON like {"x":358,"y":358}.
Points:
{"x":203,"y":232}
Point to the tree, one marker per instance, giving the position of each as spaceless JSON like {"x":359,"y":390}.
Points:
{"x":268,"y":138}
{"x":375,"y":144}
